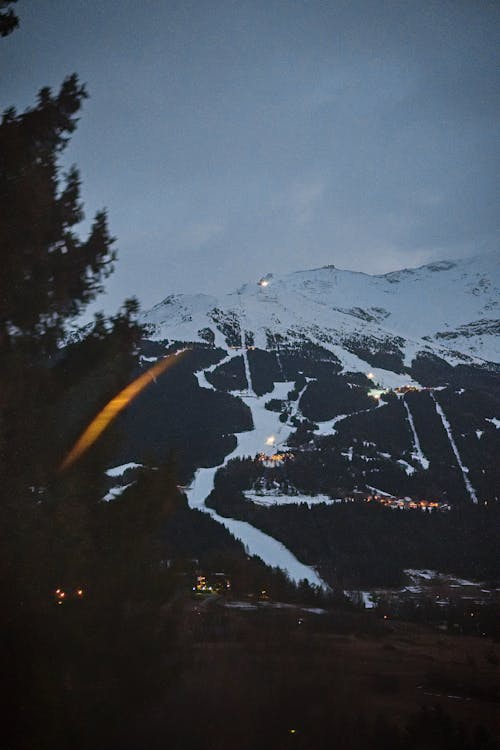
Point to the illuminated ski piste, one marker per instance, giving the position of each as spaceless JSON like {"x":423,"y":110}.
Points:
{"x":418,"y":453}
{"x":266,"y":425}
{"x":463,"y":469}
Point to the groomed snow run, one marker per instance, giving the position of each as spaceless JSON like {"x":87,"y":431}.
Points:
{"x":417,"y":453}
{"x":463,"y":468}
{"x":266,"y":426}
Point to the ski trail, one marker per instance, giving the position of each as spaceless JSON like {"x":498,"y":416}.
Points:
{"x":244,"y":349}
{"x":266,"y":424}
{"x":327,"y":427}
{"x":247,"y":366}
{"x":463,"y":469}
{"x":256,"y":542}
{"x":418,"y":453}
{"x":200,"y":374}
{"x":280,"y":364}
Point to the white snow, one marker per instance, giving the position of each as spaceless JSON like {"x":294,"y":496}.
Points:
{"x":494,"y":421}
{"x":201,"y":376}
{"x":427,"y":574}
{"x":118,"y":471}
{"x":407,"y":467}
{"x":115,"y":492}
{"x":460,"y":299}
{"x":380,"y":492}
{"x":142,"y":358}
{"x":417,"y":454}
{"x":270,"y":498}
{"x":479,"y":434}
{"x":368,"y":600}
{"x":266,"y":424}
{"x":247,"y":368}
{"x":327,"y":428}
{"x":463,"y":468}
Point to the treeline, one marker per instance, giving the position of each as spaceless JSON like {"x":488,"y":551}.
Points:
{"x":360,"y":544}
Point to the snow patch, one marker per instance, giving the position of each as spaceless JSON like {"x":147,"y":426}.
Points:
{"x":118,"y":471}
{"x":115,"y":492}
{"x":270,"y":498}
{"x":463,"y":468}
{"x":407,"y":467}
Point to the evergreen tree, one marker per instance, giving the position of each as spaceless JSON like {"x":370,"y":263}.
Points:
{"x":55,"y":531}
{"x":48,"y":273}
{"x":8,"y":19}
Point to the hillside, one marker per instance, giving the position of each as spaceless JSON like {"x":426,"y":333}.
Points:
{"x":327,"y":386}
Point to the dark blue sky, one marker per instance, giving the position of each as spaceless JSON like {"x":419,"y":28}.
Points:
{"x":230,"y":138}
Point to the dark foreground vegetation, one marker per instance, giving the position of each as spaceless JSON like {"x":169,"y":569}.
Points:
{"x":102,"y":644}
{"x":194,"y":673}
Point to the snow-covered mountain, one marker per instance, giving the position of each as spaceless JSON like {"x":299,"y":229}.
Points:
{"x":320,"y":385}
{"x":450,"y":309}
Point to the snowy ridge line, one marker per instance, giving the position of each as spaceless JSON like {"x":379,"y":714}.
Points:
{"x":347,"y":304}
{"x":463,"y":468}
{"x":418,"y":453}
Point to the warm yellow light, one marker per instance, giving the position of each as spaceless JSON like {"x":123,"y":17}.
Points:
{"x":370,"y":375}
{"x":80,"y":592}
{"x":270,"y":440}
{"x":115,"y":406}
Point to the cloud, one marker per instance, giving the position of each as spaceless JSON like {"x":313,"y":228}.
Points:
{"x":201,"y":233}
{"x":303,"y":199}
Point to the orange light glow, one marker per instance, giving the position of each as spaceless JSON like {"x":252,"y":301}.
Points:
{"x":80,"y":592}
{"x":115,"y":406}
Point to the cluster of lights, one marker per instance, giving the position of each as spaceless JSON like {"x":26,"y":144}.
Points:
{"x":61,"y":595}
{"x":405,"y":502}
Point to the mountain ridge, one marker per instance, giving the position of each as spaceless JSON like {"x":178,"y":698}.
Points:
{"x":418,"y":308}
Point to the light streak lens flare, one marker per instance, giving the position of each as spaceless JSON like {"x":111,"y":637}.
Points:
{"x":117,"y":405}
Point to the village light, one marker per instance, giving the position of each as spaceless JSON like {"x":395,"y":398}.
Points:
{"x":270,"y":440}
{"x":370,"y":375}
